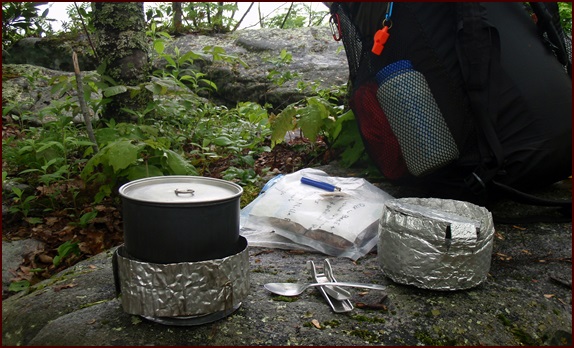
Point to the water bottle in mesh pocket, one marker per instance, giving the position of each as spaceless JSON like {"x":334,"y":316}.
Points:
{"x":415,"y":118}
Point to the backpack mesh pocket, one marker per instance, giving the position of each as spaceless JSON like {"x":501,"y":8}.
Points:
{"x":380,"y":142}
{"x":415,"y":118}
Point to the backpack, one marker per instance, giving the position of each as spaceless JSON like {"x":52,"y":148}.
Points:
{"x":468,"y":100}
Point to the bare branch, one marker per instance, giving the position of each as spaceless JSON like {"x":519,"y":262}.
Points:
{"x":83,"y":107}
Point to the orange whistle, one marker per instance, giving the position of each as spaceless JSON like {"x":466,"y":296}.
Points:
{"x":381,"y":37}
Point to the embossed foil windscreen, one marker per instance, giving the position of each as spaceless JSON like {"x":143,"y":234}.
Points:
{"x":435,"y":243}
{"x":183,"y":293}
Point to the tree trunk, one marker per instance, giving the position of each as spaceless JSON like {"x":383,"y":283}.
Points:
{"x":123,"y":48}
{"x":218,"y":19}
{"x":261,"y":23}
{"x":177,"y":15}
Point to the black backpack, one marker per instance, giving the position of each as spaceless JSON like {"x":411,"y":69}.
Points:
{"x":466,"y":99}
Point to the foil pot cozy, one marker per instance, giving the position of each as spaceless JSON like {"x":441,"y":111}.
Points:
{"x":436,"y":244}
{"x":183,"y":289}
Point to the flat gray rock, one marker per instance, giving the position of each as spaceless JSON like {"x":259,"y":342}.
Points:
{"x":12,"y":255}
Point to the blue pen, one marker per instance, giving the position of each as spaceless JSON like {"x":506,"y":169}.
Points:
{"x":319,"y":184}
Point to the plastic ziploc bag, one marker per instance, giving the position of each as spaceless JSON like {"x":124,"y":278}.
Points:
{"x":293,"y":215}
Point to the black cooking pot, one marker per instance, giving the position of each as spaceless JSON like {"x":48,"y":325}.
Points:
{"x":169,"y":219}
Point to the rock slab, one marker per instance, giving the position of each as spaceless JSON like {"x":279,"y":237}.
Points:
{"x":525,"y":300}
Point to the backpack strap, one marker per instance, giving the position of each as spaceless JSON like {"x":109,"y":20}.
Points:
{"x":478,"y":48}
{"x":564,"y":207}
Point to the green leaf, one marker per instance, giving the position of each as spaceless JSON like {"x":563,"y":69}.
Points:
{"x":170,"y":61}
{"x":29,"y":199}
{"x":189,"y":56}
{"x":87,"y":94}
{"x":108,"y":79}
{"x":352,"y":154}
{"x":64,"y":250}
{"x":86,"y":218}
{"x":114,"y":90}
{"x":347,"y":116}
{"x":105,"y":191}
{"x":19,"y":286}
{"x":134,"y":91}
{"x":50,"y":144}
{"x":67,"y":247}
{"x":142,"y":171}
{"x":283,"y":123}
{"x":188,"y":78}
{"x":248,"y":160}
{"x":164,"y":34}
{"x":209,"y":83}
{"x":177,"y":164}
{"x":101,"y":69}
{"x":222,"y":141}
{"x":350,"y":140}
{"x":34,"y":220}
{"x":118,"y":155}
{"x":311,"y":119}
{"x":106,"y":135}
{"x":159,"y":46}
{"x":31,"y":170}
{"x":18,"y":192}
{"x":83,"y":143}
{"x":121,"y":154}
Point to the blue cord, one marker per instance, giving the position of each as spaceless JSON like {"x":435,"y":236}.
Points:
{"x":389,"y":11}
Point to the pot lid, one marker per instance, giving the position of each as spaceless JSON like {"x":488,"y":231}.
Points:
{"x":180,"y":189}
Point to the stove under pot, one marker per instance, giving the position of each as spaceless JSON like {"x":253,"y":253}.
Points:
{"x":183,"y":293}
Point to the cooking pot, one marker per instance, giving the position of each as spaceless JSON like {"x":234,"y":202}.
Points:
{"x":169,"y":219}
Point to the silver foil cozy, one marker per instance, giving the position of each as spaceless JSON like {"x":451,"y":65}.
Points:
{"x":433,"y":243}
{"x":184,"y":289}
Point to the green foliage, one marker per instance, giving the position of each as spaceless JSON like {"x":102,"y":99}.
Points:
{"x":275,"y":75}
{"x":87,"y":218}
{"x":241,"y":176}
{"x":20,"y":20}
{"x":179,"y":70}
{"x":315,"y":116}
{"x":196,"y":16}
{"x":297,"y":16}
{"x":565,"y":9}
{"x":97,"y":90}
{"x":322,"y":115}
{"x":65,"y":250}
{"x":218,"y":54}
{"x":209,"y":15}
{"x":176,"y":134}
{"x":81,"y":18}
{"x":130,"y":158}
{"x":21,"y":204}
{"x":18,"y":286}
{"x":347,"y":137}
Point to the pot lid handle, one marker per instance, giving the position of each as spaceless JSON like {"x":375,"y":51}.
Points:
{"x":188,"y":191}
